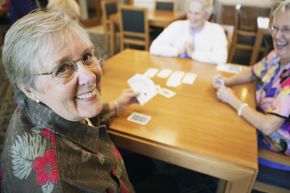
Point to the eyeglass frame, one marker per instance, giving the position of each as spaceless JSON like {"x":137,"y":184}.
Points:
{"x":73,"y":63}
{"x":284,"y":30}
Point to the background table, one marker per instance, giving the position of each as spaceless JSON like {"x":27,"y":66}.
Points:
{"x":192,"y":129}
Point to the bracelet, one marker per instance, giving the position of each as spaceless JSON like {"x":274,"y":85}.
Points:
{"x":116,"y":106}
{"x":241,"y":108}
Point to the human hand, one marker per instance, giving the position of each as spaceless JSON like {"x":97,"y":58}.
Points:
{"x":181,"y":51}
{"x":218,"y":81}
{"x":226,"y":94}
{"x":127,"y":97}
{"x":189,"y":47}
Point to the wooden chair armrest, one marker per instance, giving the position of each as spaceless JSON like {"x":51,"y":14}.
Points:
{"x":276,"y":157}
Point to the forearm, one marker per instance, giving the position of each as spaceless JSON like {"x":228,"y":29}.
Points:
{"x":163,"y":50}
{"x":214,"y":57}
{"x":114,"y":109}
{"x":244,"y":76}
{"x":266,"y":123}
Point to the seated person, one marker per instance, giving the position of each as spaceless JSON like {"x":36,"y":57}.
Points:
{"x":194,"y":38}
{"x":271,"y":117}
{"x":70,"y":7}
{"x":57,"y":139}
{"x":4,"y":8}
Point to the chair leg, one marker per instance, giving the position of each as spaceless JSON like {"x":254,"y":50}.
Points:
{"x":231,"y":54}
{"x":221,"y":186}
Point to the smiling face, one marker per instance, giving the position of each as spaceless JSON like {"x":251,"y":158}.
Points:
{"x":75,"y":97}
{"x":281,"y":40}
{"x":196,"y":14}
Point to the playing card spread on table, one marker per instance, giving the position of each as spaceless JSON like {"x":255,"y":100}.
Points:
{"x":189,"y":78}
{"x":164,"y":73}
{"x":151,"y":72}
{"x":229,"y":68}
{"x":143,"y":85}
{"x":166,"y":92}
{"x":175,"y":79}
{"x":139,"y":118}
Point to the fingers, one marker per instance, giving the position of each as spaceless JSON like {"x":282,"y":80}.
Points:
{"x":218,"y":81}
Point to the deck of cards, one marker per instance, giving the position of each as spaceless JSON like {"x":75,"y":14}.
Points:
{"x":143,"y":85}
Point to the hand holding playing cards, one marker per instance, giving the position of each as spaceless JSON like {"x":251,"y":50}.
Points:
{"x":226,"y":95}
{"x":127,"y":98}
{"x":218,"y":81}
{"x":189,"y":47}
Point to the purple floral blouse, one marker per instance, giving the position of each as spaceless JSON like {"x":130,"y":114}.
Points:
{"x":273,"y":97}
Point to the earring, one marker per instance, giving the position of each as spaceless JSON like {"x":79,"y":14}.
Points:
{"x":35,"y":99}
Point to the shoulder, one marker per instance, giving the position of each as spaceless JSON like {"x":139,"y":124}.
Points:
{"x":214,"y":26}
{"x":179,"y":24}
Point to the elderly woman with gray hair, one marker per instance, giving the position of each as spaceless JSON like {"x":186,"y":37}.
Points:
{"x":57,"y":139}
{"x":195,"y":37}
{"x":271,"y":116}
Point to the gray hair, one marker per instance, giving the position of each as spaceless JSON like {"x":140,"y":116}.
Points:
{"x":282,"y":7}
{"x":31,"y":40}
{"x":207,"y":4}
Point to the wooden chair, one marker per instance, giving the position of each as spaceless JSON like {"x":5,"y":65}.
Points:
{"x":271,"y":180}
{"x":109,"y":8}
{"x":229,"y":30}
{"x":246,"y":28}
{"x":91,"y":13}
{"x":165,"y":5}
{"x":134,"y":26}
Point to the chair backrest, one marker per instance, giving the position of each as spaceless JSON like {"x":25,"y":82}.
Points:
{"x":229,"y":30}
{"x":134,"y":26}
{"x":109,"y":7}
{"x":165,"y":5}
{"x":271,"y":180}
{"x":246,"y":17}
{"x":246,"y":27}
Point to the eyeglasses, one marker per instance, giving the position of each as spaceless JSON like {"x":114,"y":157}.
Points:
{"x":284,"y":30}
{"x":67,"y":68}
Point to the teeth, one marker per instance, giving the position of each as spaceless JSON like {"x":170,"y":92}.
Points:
{"x":87,"y":95}
{"x":281,"y":44}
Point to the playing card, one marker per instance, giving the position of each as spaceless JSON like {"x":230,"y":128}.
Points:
{"x":139,"y":118}
{"x":189,"y":78}
{"x":164,"y":73}
{"x":166,"y":92}
{"x":175,"y":79}
{"x":229,"y":68}
{"x":151,"y":72}
{"x":143,"y":85}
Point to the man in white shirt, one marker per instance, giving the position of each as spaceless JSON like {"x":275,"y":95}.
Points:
{"x":194,"y":38}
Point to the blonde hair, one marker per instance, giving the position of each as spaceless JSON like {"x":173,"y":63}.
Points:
{"x":282,"y":7}
{"x":70,"y":7}
{"x":207,"y":5}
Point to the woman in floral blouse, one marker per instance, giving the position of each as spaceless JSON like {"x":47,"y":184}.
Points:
{"x":272,"y":75}
{"x":57,"y":140}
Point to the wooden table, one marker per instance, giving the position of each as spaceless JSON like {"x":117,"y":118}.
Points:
{"x":162,"y":19}
{"x":192,"y":129}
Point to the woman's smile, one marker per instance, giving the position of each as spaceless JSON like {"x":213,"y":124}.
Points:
{"x":88,"y":95}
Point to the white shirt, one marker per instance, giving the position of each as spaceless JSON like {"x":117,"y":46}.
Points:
{"x":210,"y":42}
